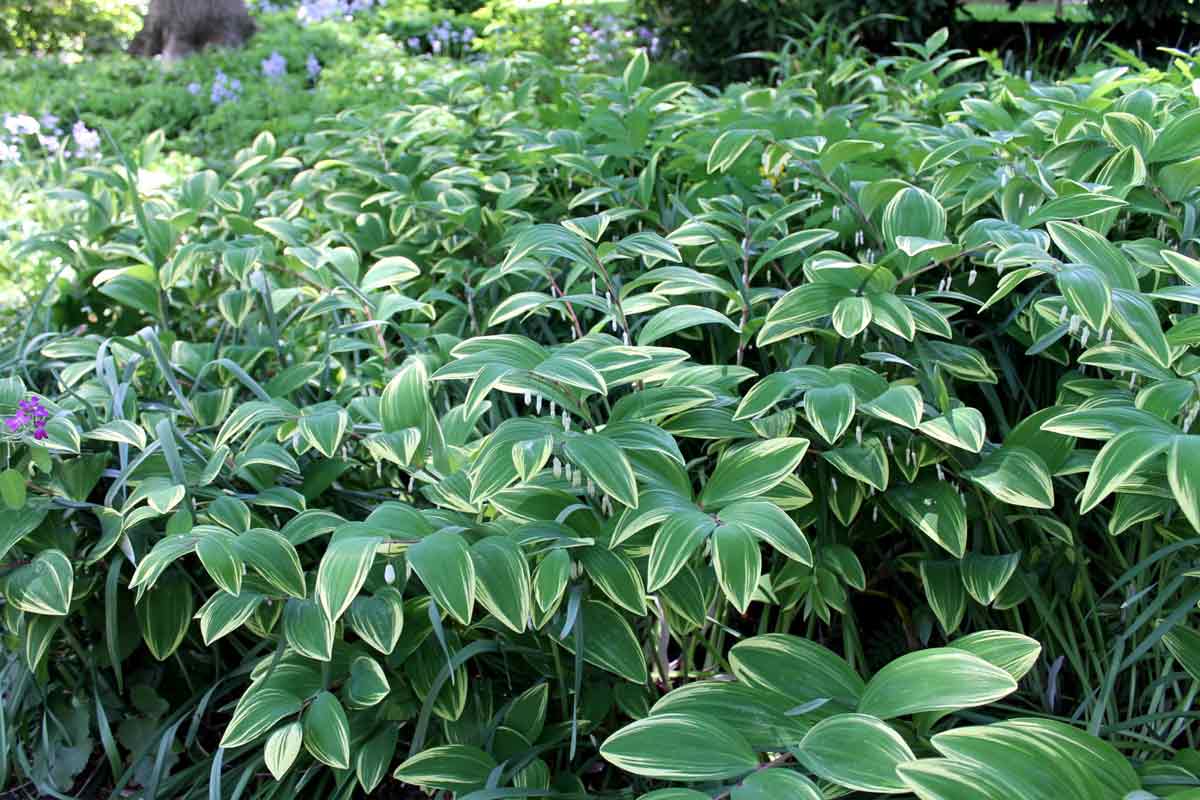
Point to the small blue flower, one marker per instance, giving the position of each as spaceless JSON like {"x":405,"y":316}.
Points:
{"x":275,"y":66}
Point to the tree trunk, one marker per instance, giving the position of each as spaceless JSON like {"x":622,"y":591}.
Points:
{"x":177,"y":28}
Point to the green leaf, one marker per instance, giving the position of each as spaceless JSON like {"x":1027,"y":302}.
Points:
{"x":680,"y":747}
{"x":224,"y":613}
{"x":274,"y":558}
{"x":961,"y":427}
{"x":899,"y":404}
{"x":327,"y":731}
{"x":936,"y":510}
{"x":682,"y":317}
{"x":1015,"y":475}
{"x":752,"y":470}
{"x":1120,"y":458}
{"x":604,"y":462}
{"x":608,"y":642}
{"x":851,"y":316}
{"x":1137,"y":318}
{"x":443,"y":563}
{"x":1084,"y":246}
{"x":680,"y":535}
{"x":43,"y":586}
{"x":771,"y":784}
{"x":1011,"y":652}
{"x":323,"y":427}
{"x":944,"y":591}
{"x":986,"y":576}
{"x":550,"y":580}
{"x":1087,"y":293}
{"x":937,"y":679}
{"x":379,"y":619}
{"x":1183,"y":473}
{"x":770,"y":523}
{"x":914,"y":212}
{"x":12,"y":488}
{"x":1075,"y":206}
{"x":1179,"y":140}
{"x":728,"y":147}
{"x":343,"y":571}
{"x":372,"y":759}
{"x":257,"y":712}
{"x":452,"y":767}
{"x":858,"y":751}
{"x":217,"y":550}
{"x":308,"y":630}
{"x":389,"y":272}
{"x":798,"y":670}
{"x":282,"y":747}
{"x":635,"y":71}
{"x":830,"y":410}
{"x":368,"y":685}
{"x":737,"y":563}
{"x":164,"y":614}
{"x":1042,"y":759}
{"x":504,"y":585}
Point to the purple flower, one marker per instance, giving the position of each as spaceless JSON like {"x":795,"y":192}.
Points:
{"x":29,"y":411}
{"x":194,"y":88}
{"x":313,"y":66}
{"x":275,"y":66}
{"x":48,"y":121}
{"x":86,"y":139}
{"x":414,"y":43}
{"x":468,"y":34}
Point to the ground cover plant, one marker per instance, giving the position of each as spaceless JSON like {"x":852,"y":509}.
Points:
{"x":556,"y":433}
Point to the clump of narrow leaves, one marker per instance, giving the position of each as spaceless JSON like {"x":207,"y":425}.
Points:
{"x":559,"y":435}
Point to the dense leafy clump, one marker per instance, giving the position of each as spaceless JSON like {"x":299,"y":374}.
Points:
{"x":553,"y":433}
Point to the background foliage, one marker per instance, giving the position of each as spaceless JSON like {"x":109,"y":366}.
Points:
{"x":509,"y":428}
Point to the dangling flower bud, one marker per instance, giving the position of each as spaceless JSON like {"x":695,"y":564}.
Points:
{"x":556,"y":468}
{"x":389,"y":574}
{"x":566,"y":418}
{"x":971,"y":276}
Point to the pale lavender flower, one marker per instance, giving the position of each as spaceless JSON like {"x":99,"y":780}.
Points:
{"x":313,"y":66}
{"x":275,"y":66}
{"x":86,"y":139}
{"x":21,"y":125}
